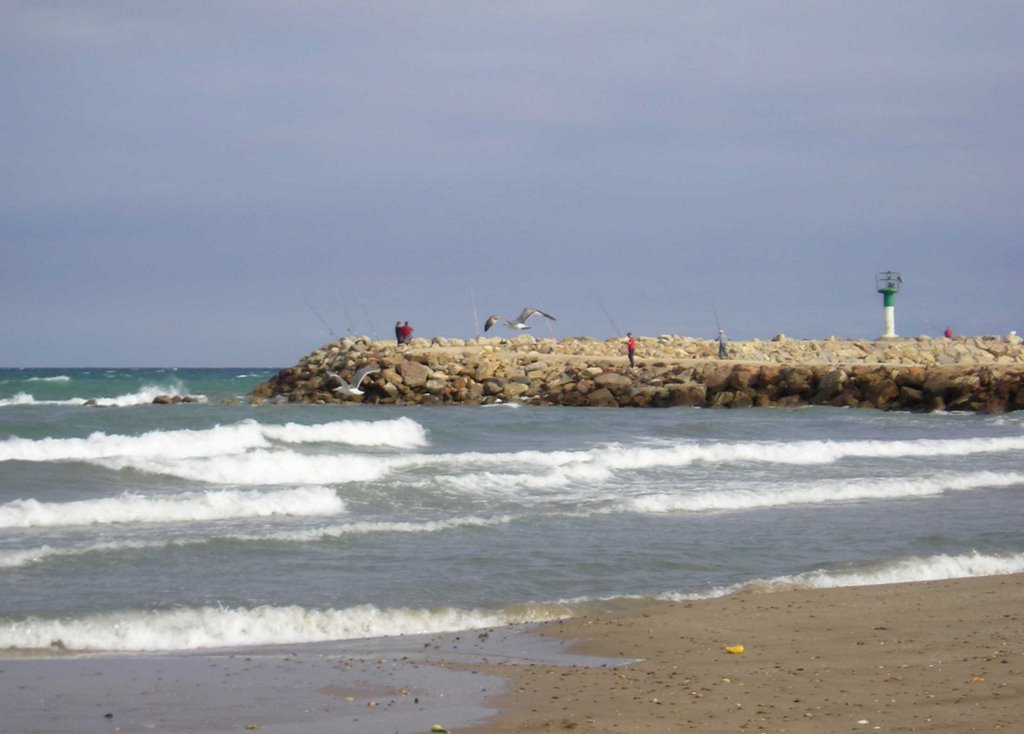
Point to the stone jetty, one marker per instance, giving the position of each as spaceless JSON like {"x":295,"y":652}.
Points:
{"x":981,"y":374}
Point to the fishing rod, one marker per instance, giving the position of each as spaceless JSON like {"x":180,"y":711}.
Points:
{"x":718,"y":324}
{"x":610,"y":319}
{"x":476,"y":319}
{"x":322,"y":319}
{"x":373,"y":329}
{"x":348,"y":316}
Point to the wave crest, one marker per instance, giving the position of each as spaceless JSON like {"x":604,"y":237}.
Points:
{"x":216,"y":441}
{"x":185,"y":507}
{"x":893,"y":571}
{"x":214,"y":627}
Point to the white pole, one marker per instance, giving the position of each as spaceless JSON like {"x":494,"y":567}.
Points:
{"x":890,"y":323}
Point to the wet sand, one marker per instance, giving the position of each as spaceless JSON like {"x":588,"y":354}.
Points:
{"x":391,"y":685}
{"x":944,"y":656}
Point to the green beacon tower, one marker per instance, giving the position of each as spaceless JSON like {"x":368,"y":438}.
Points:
{"x":888,"y":284}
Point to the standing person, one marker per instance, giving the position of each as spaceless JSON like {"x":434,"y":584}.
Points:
{"x":630,"y":347}
{"x":722,"y":341}
{"x":406,"y":333}
{"x":398,"y":331}
{"x":949,"y":333}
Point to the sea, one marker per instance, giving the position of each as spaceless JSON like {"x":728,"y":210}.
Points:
{"x":127,"y":526}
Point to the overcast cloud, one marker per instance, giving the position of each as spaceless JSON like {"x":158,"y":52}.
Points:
{"x":207,"y":183}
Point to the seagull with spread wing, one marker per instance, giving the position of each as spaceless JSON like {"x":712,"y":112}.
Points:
{"x":357,"y":379}
{"x":520,"y":321}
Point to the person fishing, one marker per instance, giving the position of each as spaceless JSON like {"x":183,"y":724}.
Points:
{"x":723,"y":353}
{"x":630,"y":346}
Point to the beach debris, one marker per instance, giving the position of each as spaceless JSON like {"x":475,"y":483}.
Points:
{"x":734,"y":649}
{"x":438,"y":729}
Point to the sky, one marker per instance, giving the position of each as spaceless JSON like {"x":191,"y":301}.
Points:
{"x":228,"y":183}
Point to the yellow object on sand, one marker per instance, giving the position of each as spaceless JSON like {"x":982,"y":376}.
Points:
{"x":734,"y":649}
{"x":439,"y":729}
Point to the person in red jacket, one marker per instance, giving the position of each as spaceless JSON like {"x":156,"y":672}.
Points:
{"x":630,"y":347}
{"x":406,"y":333}
{"x":949,"y":333}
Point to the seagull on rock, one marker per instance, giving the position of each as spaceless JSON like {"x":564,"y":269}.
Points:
{"x":520,"y":321}
{"x":346,"y":389}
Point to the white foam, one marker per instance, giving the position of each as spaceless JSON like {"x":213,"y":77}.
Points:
{"x":895,"y":571}
{"x":262,"y":467}
{"x":20,"y":398}
{"x":176,"y":444}
{"x":618,"y":457}
{"x":144,"y":396}
{"x":399,"y":433}
{"x":213,"y":627}
{"x":216,"y":441}
{"x":553,"y":478}
{"x":370,"y":527}
{"x":537,"y":470}
{"x":822,"y":492}
{"x":185,"y":507}
{"x":28,"y":556}
{"x":55,"y":378}
{"x":933,"y":568}
{"x":803,"y":452}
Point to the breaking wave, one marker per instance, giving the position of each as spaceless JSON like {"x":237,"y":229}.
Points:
{"x":820,"y":492}
{"x":143,"y":396}
{"x":28,"y":556}
{"x":217,"y":441}
{"x":185,"y":507}
{"x":893,"y":571}
{"x":217,"y":627}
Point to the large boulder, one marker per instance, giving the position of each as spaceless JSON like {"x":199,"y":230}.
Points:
{"x":612,"y":380}
{"x":602,"y":397}
{"x":414,"y":374}
{"x":830,"y":385}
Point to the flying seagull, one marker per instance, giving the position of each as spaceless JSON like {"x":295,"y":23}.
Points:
{"x":520,"y":322}
{"x":344,"y":388}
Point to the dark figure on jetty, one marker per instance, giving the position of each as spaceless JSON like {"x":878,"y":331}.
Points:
{"x":398,"y":332}
{"x":630,"y":347}
{"x":723,"y":353}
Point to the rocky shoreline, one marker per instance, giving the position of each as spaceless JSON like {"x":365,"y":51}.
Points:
{"x":980,"y":374}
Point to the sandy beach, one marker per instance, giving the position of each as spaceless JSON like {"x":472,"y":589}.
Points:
{"x":943,"y":656}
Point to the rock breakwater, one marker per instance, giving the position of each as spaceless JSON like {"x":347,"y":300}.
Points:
{"x":982,"y":374}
